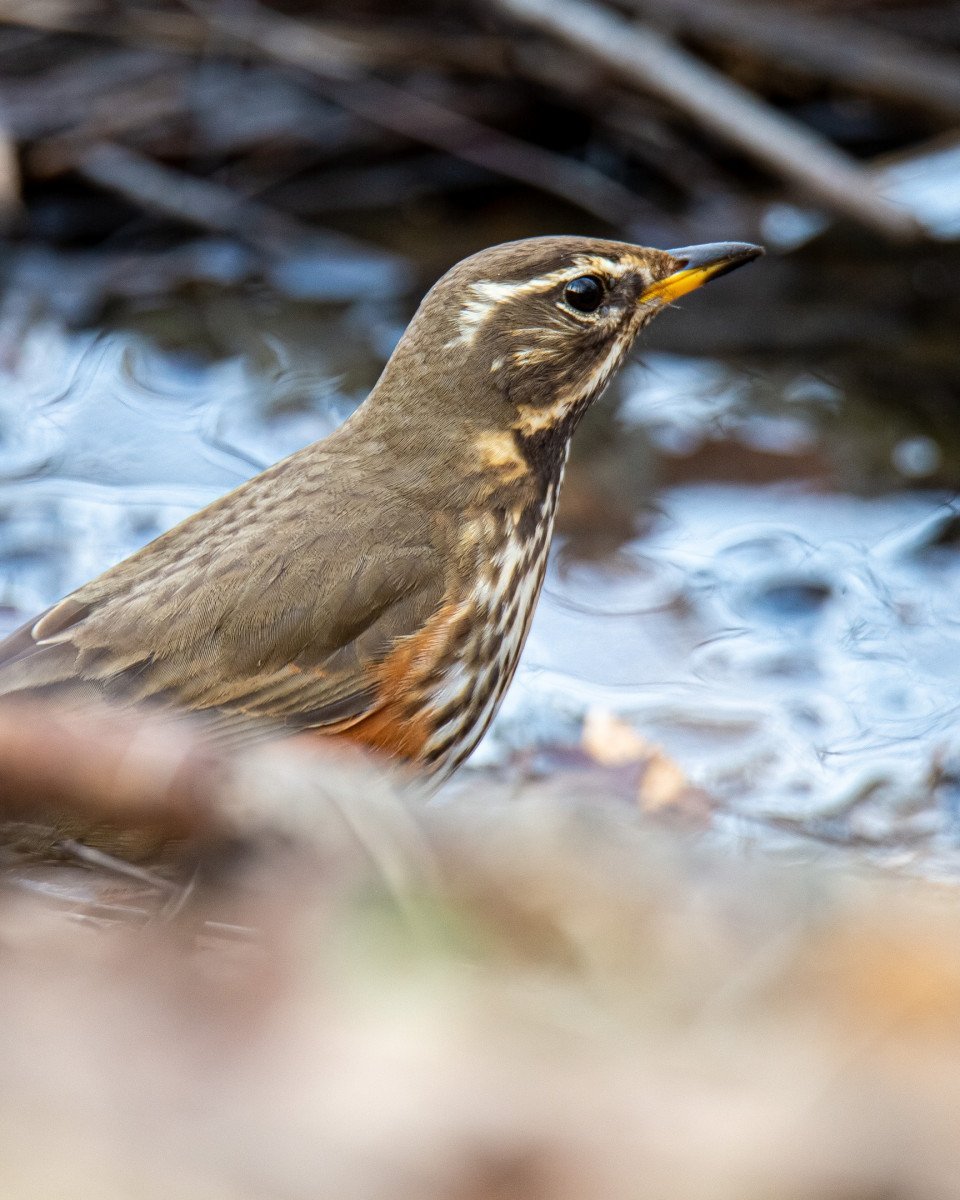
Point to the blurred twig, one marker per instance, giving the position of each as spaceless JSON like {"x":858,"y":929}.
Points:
{"x":336,"y":65}
{"x":424,"y":121}
{"x":65,"y":93}
{"x":170,"y":30}
{"x":297,"y":44}
{"x":605,"y":113}
{"x":846,"y":52}
{"x":648,"y":59}
{"x":9,"y":174}
{"x":195,"y":201}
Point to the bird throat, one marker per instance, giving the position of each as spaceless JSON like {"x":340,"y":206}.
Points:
{"x":545,"y":447}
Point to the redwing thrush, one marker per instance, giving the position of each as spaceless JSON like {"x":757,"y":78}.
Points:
{"x":379,"y":584}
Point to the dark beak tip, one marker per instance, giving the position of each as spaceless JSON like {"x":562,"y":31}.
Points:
{"x":724,"y":256}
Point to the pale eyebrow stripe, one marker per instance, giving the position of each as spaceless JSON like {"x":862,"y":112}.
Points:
{"x":489,"y":295}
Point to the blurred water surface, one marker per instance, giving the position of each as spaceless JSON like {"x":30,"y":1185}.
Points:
{"x":723,"y":578}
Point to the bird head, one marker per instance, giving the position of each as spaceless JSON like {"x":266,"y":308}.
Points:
{"x":521,"y":338}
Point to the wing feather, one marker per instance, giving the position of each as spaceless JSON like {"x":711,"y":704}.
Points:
{"x":289,"y":643}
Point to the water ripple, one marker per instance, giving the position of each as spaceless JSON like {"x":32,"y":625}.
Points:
{"x":795,"y":649}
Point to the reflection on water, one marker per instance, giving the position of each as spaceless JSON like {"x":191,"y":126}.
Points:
{"x":784,"y":646}
{"x":793,"y":646}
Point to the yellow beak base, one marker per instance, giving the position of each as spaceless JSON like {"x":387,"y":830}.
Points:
{"x":697,"y":265}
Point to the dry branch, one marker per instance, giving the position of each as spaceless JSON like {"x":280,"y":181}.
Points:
{"x":9,"y":174}
{"x":195,"y":201}
{"x":649,"y":60}
{"x":399,"y":110}
{"x":336,"y":65}
{"x":150,"y":78}
{"x":847,"y":53}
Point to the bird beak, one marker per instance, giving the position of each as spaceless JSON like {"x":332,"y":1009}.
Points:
{"x":695,"y":265}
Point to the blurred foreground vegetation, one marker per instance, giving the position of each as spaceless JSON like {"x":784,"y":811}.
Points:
{"x":327,"y":990}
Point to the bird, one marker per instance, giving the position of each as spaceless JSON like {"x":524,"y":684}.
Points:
{"x":378,"y":585}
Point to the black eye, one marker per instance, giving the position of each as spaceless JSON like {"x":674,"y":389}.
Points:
{"x":585,"y":293}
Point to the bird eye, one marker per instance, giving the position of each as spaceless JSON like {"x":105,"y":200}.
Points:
{"x":585,"y":293}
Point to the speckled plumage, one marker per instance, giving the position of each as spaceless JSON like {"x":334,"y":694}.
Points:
{"x":379,"y":584}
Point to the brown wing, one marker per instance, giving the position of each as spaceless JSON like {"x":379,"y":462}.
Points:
{"x":214,"y":618}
